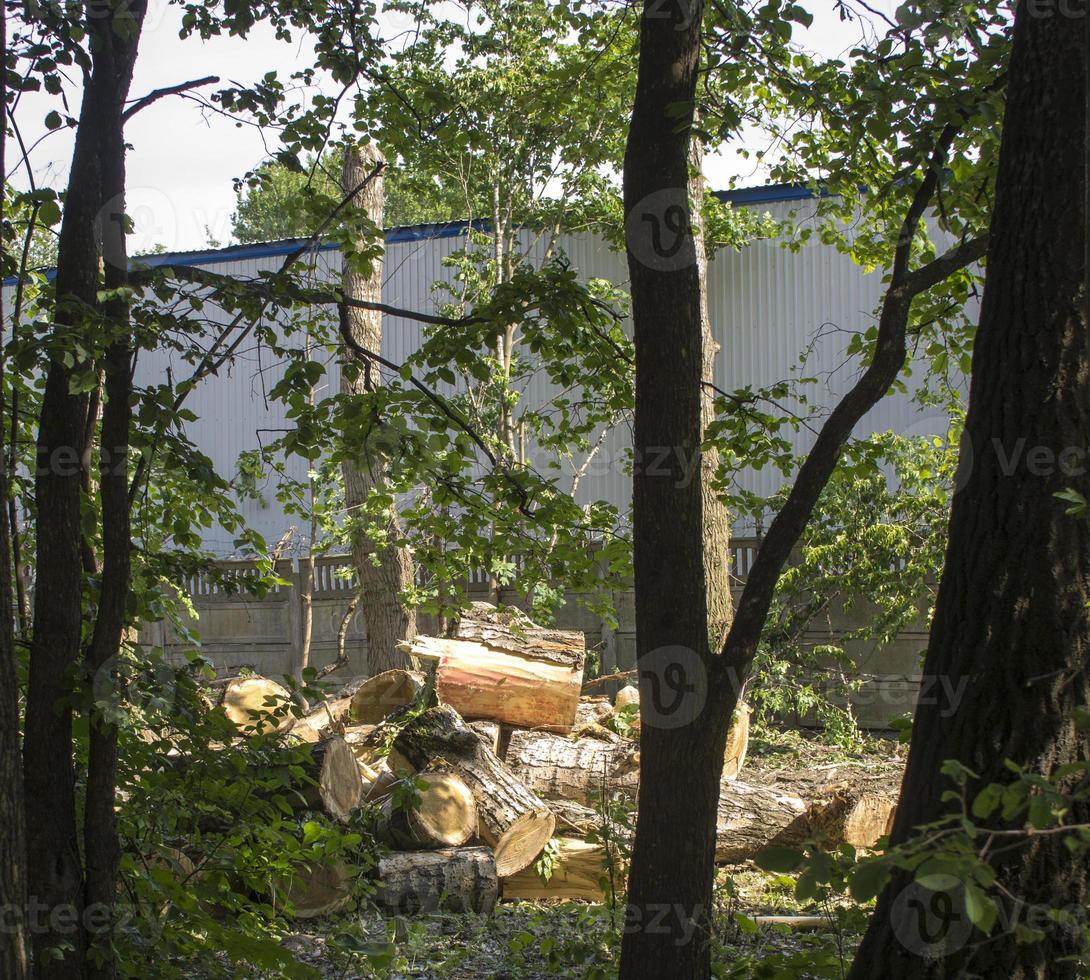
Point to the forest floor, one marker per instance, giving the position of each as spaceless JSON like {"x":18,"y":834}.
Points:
{"x":530,"y":941}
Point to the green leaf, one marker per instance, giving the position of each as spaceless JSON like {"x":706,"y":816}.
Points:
{"x":980,"y":908}
{"x":778,"y":859}
{"x":868,"y":879}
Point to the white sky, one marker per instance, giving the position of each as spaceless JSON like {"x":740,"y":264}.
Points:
{"x":183,"y":160}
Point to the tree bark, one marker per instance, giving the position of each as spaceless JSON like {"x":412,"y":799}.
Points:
{"x":557,"y":768}
{"x":1011,"y":629}
{"x":384,"y":569}
{"x":55,"y":877}
{"x":13,"y":941}
{"x":680,"y":750}
{"x":459,"y":879}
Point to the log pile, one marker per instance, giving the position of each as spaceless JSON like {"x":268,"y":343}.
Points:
{"x":510,"y":770}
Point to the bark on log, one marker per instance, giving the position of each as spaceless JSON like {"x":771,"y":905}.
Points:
{"x":559,"y":768}
{"x":489,"y":733}
{"x":247,"y":702}
{"x":750,"y":818}
{"x":577,"y":873}
{"x":454,"y":880}
{"x":513,"y":821}
{"x":446,"y":816}
{"x":592,"y":711}
{"x":377,"y":696}
{"x":501,"y":667}
{"x":338,"y":784}
{"x":853,"y":816}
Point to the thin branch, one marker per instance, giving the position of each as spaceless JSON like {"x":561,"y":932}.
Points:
{"x":162,"y":93}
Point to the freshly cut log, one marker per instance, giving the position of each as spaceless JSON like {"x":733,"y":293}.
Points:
{"x":573,"y":819}
{"x":324,"y":718}
{"x":501,"y":667}
{"x":365,"y":743}
{"x":320,"y":890}
{"x":513,"y":821}
{"x":249,"y":701}
{"x":852,"y":816}
{"x":734,"y":756}
{"x":592,"y":711}
{"x":379,"y":783}
{"x":459,"y":879}
{"x":750,"y":818}
{"x":338,"y":784}
{"x":377,"y":696}
{"x":564,"y":769}
{"x":446,"y":816}
{"x":626,"y":696}
{"x":577,"y":873}
{"x":489,"y":732}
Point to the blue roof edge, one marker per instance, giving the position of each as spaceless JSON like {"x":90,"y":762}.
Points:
{"x":767,"y":194}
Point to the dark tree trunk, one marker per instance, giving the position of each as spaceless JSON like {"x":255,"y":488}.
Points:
{"x":13,"y":936}
{"x":56,"y":881}
{"x":681,"y":745}
{"x":388,"y":619}
{"x":1011,"y":631}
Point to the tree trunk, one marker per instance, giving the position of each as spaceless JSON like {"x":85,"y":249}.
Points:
{"x":96,"y":181}
{"x":514,"y":822}
{"x":558,"y":768}
{"x":321,"y":889}
{"x":460,"y":879}
{"x":749,"y":818}
{"x":250,"y":703}
{"x":13,"y":941}
{"x":384,"y":569}
{"x":445,"y":817}
{"x":1011,"y":633}
{"x":380,"y":694}
{"x":577,"y":872}
{"x":337,"y":785}
{"x":681,"y":745}
{"x":502,"y":667}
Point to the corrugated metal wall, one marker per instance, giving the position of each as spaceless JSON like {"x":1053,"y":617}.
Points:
{"x":767,"y":305}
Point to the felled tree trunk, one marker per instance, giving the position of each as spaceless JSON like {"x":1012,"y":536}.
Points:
{"x":454,"y":880}
{"x":512,"y":820}
{"x":489,"y":733}
{"x":853,"y":816}
{"x":377,"y":696}
{"x":501,"y":667}
{"x":338,"y":785}
{"x":446,"y":816}
{"x":249,"y":702}
{"x":750,"y":818}
{"x":577,"y":873}
{"x":561,"y":769}
{"x":324,"y":718}
{"x":316,"y":891}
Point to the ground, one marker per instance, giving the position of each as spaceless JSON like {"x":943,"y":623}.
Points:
{"x":525,"y":941}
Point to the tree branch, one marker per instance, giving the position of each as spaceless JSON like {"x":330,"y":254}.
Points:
{"x":161,"y":93}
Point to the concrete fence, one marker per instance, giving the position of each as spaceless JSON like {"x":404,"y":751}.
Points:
{"x":239,"y":630}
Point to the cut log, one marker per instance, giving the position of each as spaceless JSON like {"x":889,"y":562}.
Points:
{"x":365,"y":744}
{"x":446,"y":816}
{"x":562,"y":769}
{"x":338,"y":784}
{"x":489,"y":733}
{"x":324,"y":718}
{"x":455,"y":880}
{"x":734,"y":756}
{"x":577,"y":872}
{"x":750,"y":818}
{"x":249,"y":701}
{"x":853,"y":816}
{"x":379,"y":783}
{"x":626,"y":696}
{"x":320,"y":890}
{"x":377,"y":696}
{"x":592,"y":711}
{"x":573,"y":819}
{"x":501,"y":667}
{"x":513,"y":821}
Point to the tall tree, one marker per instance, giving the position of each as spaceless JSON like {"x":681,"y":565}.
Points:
{"x":689,"y":684}
{"x":1012,"y":619}
{"x":383,"y":563}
